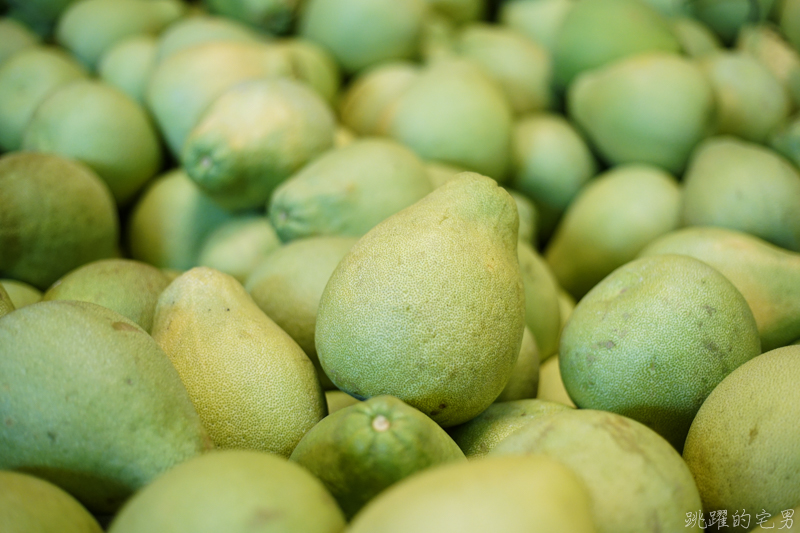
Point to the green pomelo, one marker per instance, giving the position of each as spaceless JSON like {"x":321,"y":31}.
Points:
{"x":653,"y":339}
{"x":429,"y":306}
{"x":361,"y":450}
{"x":55,"y":215}
{"x":91,"y":403}
{"x":130,"y":288}
{"x":483,"y":433}
{"x":289,"y":283}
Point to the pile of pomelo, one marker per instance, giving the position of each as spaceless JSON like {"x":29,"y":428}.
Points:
{"x":399,"y":266}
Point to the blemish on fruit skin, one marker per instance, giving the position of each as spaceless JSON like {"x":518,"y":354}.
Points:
{"x":122,"y":326}
{"x":710,"y":310}
{"x":9,"y":422}
{"x":52,"y":435}
{"x":263,"y":516}
{"x":753,"y":434}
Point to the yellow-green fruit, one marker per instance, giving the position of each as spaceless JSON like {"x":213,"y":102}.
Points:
{"x":519,"y":65}
{"x":541,"y":300}
{"x":367,"y":103}
{"x":433,"y":292}
{"x":696,"y":39}
{"x":483,"y":433}
{"x":32,"y":505}
{"x":89,"y":28}
{"x":509,"y":494}
{"x":363,"y":33}
{"x":787,"y":520}
{"x":789,"y":18}
{"x":751,"y":102}
{"x":599,"y":32}
{"x":744,"y":446}
{"x":129,"y":64}
{"x":234,"y":492}
{"x":460,"y":11}
{"x":550,"y":160}
{"x":313,"y":65}
{"x":727,"y":17}
{"x":91,"y":403}
{"x":171,"y":221}
{"x":55,"y":215}
{"x":187,"y":81}
{"x":238,"y":246}
{"x":102,"y":127}
{"x":6,"y":305}
{"x":338,"y":400}
{"x":524,"y":381}
{"x":275,"y":16}
{"x":200,"y":29}
{"x":26,"y":79}
{"x":349,"y":190}
{"x":251,"y":384}
{"x":21,"y":294}
{"x":453,"y":113}
{"x":743,"y":186}
{"x":610,"y":221}
{"x":289,"y":283}
{"x":528,"y":217}
{"x":253,"y":137}
{"x":767,"y":276}
{"x":361,"y":450}
{"x":128,"y":287}
{"x":637,"y":482}
{"x":541,"y":20}
{"x":551,"y":387}
{"x":343,"y":137}
{"x":766,"y":45}
{"x":653,"y":339}
{"x":14,"y":36}
{"x":650,"y":108}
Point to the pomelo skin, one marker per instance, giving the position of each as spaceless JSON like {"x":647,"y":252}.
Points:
{"x":636,"y":480}
{"x":90,"y":402}
{"x":429,"y":305}
{"x":497,"y":494}
{"x":653,"y":339}
{"x":32,"y":505}
{"x":744,"y":445}
{"x":232,"y":491}
{"x":363,"y":449}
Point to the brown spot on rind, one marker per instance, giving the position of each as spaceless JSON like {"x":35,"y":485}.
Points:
{"x":122,"y":326}
{"x":753,"y":434}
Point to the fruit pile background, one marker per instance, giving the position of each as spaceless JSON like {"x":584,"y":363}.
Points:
{"x":384,"y":266}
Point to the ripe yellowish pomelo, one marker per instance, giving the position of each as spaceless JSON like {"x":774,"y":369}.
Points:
{"x":509,"y":494}
{"x":251,"y":384}
{"x":235,"y":492}
{"x":743,"y":448}
{"x":637,"y":482}
{"x":32,"y":505}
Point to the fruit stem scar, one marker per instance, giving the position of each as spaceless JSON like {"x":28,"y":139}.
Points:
{"x":380,"y":423}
